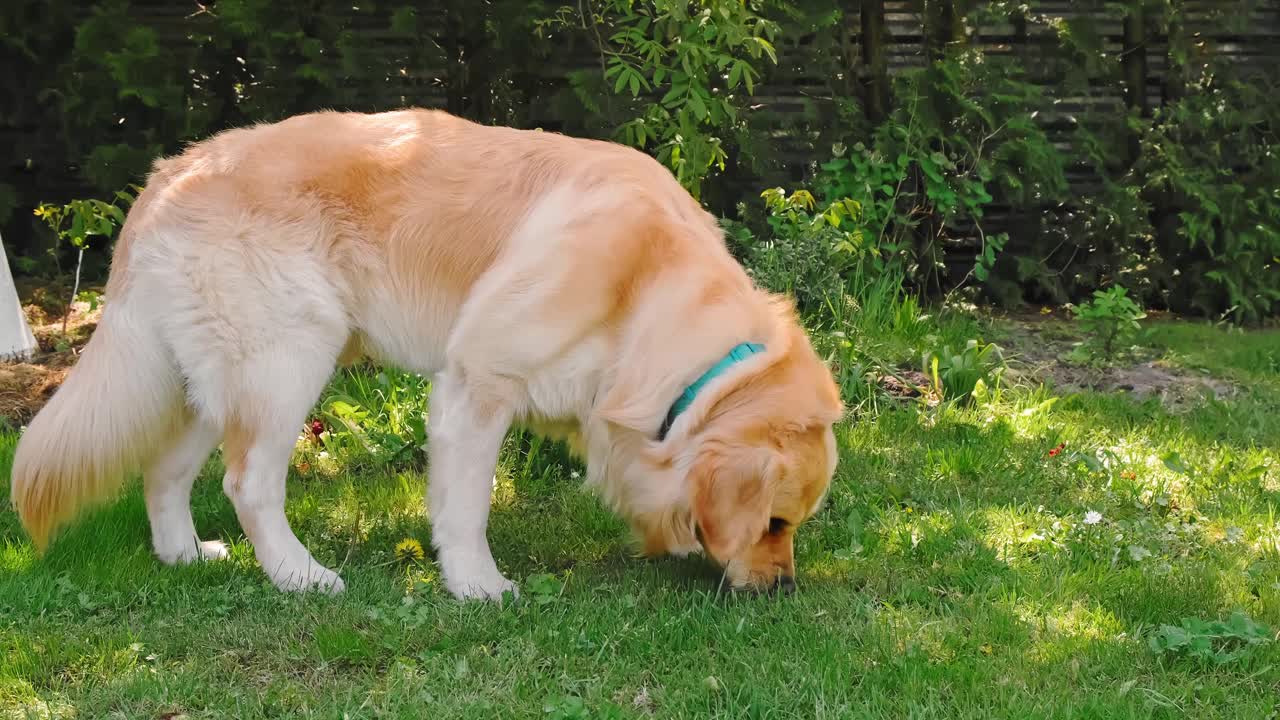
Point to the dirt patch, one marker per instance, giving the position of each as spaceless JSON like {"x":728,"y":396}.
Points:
{"x":26,"y":386}
{"x":1174,"y":386}
{"x":905,"y":384}
{"x":1038,"y":347}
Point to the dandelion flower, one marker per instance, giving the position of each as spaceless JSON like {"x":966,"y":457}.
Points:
{"x":409,"y":550}
{"x":1093,"y":517}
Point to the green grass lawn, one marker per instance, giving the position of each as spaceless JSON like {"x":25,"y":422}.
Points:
{"x":961,"y":569}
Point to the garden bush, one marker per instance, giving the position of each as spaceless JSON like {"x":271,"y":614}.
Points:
{"x":961,"y":171}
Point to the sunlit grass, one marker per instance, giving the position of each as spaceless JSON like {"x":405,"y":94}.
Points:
{"x":1009,"y":558}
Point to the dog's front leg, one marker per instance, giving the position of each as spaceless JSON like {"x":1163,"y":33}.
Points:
{"x":468,"y":423}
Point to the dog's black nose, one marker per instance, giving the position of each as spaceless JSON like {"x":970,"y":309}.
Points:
{"x":786,"y":585}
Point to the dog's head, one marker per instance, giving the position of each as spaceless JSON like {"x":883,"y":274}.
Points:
{"x":749,"y":494}
{"x":741,"y":476}
{"x":763,"y":463}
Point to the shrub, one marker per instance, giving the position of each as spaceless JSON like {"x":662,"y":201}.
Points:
{"x":959,"y":375}
{"x":75,"y":223}
{"x":807,"y":253}
{"x":1184,"y":211}
{"x":1110,"y":322}
{"x":1209,"y":162}
{"x":963,"y":138}
{"x":680,"y":70}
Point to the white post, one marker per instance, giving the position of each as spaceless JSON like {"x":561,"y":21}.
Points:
{"x":16,"y":340}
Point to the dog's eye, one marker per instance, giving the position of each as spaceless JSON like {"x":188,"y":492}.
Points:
{"x":777,"y":525}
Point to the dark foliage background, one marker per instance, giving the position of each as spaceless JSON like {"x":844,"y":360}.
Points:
{"x":1028,"y":151}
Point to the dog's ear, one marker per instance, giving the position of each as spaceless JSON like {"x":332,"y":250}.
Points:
{"x":731,"y":498}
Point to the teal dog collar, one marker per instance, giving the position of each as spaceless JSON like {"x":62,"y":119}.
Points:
{"x":682,"y":403}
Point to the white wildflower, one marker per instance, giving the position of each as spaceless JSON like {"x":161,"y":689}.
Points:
{"x":1093,"y":517}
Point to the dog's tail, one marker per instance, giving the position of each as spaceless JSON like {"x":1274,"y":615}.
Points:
{"x":102,"y":425}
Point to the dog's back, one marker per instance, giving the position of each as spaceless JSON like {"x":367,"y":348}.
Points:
{"x":253,"y":259}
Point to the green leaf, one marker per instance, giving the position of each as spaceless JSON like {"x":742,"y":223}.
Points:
{"x":697,"y":105}
{"x":768,"y":49}
{"x":77,"y":232}
{"x":1174,"y":462}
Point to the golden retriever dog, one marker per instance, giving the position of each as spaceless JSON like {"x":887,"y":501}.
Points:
{"x":568,"y":285}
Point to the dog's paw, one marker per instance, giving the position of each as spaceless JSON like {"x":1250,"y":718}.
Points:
{"x":471,"y":574}
{"x":213,"y":550}
{"x":485,"y":587}
{"x":312,"y":577}
{"x":187,"y":554}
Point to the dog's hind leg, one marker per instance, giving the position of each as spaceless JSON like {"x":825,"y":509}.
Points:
{"x":467,"y":429}
{"x":167,"y":480}
{"x":280,"y":388}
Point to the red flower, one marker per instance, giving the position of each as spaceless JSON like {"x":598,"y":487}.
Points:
{"x":317,"y":428}
{"x":1056,"y":451}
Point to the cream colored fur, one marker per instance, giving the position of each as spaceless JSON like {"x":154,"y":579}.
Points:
{"x":542,"y":279}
